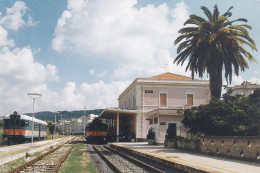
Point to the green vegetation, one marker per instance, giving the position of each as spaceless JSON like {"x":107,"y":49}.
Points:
{"x":233,"y":116}
{"x":13,"y":164}
{"x":50,"y":116}
{"x":211,"y":44}
{"x":151,"y":134}
{"x":1,"y":132}
{"x":78,"y":161}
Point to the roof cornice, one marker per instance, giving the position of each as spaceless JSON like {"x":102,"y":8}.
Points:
{"x":163,"y":81}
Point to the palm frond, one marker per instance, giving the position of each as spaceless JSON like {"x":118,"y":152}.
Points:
{"x":192,"y":21}
{"x":237,"y":20}
{"x":180,"y":38}
{"x":207,"y":12}
{"x":198,"y":18}
{"x":228,"y":13}
{"x":188,"y":29}
{"x":215,"y":13}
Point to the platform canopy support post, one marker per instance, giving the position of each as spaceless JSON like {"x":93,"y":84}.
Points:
{"x":117,"y":127}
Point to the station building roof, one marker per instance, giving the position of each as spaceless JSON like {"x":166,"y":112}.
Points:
{"x":110,"y":113}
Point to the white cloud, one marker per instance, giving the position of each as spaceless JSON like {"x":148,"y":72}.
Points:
{"x":96,"y":95}
{"x":14,"y":18}
{"x":52,"y":72}
{"x":3,"y":37}
{"x":254,"y":80}
{"x":92,"y":71}
{"x":19,"y":75}
{"x":136,"y":40}
{"x":102,"y":95}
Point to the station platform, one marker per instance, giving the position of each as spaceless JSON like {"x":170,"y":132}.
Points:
{"x":190,"y":161}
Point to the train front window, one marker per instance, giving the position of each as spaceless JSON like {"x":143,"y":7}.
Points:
{"x":27,"y":124}
{"x":6,"y":123}
{"x":22,"y":123}
{"x":12,"y":122}
{"x":17,"y":123}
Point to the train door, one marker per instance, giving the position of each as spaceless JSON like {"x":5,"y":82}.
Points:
{"x":40,"y":131}
{"x":15,"y":121}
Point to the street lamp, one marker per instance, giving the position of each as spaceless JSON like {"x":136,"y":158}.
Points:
{"x":62,"y":124}
{"x":55,"y":123}
{"x":84,"y":121}
{"x":34,"y":96}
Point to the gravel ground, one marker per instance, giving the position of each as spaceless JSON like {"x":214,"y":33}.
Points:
{"x":100,"y":165}
{"x":157,"y":165}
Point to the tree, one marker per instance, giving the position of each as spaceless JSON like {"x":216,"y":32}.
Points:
{"x":232,"y":116}
{"x":51,"y":127}
{"x":213,"y":44}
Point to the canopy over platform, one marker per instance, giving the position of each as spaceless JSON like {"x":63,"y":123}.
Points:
{"x":109,"y":113}
{"x":123,"y":130}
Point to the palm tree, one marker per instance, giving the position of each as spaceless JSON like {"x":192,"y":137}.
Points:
{"x":213,"y":44}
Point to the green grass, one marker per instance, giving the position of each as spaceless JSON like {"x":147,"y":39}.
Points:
{"x":1,"y":135}
{"x":13,"y":164}
{"x":78,"y":161}
{"x":37,"y":154}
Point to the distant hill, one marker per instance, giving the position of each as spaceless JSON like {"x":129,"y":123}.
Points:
{"x":50,"y":116}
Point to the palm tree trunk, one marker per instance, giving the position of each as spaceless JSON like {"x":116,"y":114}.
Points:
{"x":216,"y":82}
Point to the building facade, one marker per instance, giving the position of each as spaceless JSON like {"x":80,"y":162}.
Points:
{"x":75,"y":126}
{"x":246,"y":88}
{"x":156,"y":102}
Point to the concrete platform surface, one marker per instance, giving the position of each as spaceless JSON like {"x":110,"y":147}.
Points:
{"x":195,"y":160}
{"x":13,"y":152}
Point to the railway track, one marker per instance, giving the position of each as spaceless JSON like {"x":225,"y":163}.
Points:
{"x":121,"y":163}
{"x":47,"y":162}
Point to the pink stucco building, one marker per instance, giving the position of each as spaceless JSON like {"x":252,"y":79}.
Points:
{"x":156,"y":102}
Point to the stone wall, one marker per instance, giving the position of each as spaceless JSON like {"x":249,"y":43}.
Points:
{"x":238,"y":147}
{"x":243,"y":147}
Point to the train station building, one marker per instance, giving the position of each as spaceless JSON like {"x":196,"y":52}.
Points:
{"x":155,"y":102}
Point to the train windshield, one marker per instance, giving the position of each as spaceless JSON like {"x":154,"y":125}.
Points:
{"x":6,"y":123}
{"x":22,"y":123}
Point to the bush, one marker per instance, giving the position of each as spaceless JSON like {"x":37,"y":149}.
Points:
{"x":151,"y":134}
{"x":232,"y":116}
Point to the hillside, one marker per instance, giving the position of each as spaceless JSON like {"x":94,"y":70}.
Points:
{"x":50,"y":116}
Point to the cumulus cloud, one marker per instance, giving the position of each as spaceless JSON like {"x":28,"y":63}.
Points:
{"x":96,"y":95}
{"x":19,"y":75}
{"x":3,"y":37}
{"x":14,"y":18}
{"x":138,"y":41}
{"x":102,"y":95}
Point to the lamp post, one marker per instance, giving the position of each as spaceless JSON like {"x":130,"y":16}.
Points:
{"x":84,"y":121}
{"x":55,"y":124}
{"x":34,"y":96}
{"x":62,"y":124}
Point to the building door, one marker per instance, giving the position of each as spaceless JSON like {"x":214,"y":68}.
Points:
{"x":172,"y":130}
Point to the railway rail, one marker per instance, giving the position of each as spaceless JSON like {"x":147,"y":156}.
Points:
{"x":47,"y":162}
{"x":121,"y":163}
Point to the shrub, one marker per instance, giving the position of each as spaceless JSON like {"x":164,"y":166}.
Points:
{"x":232,"y":116}
{"x":151,"y":134}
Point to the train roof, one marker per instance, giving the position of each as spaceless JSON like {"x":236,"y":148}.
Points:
{"x":26,"y":117}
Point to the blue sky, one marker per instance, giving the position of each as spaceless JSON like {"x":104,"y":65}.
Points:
{"x":79,"y":53}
